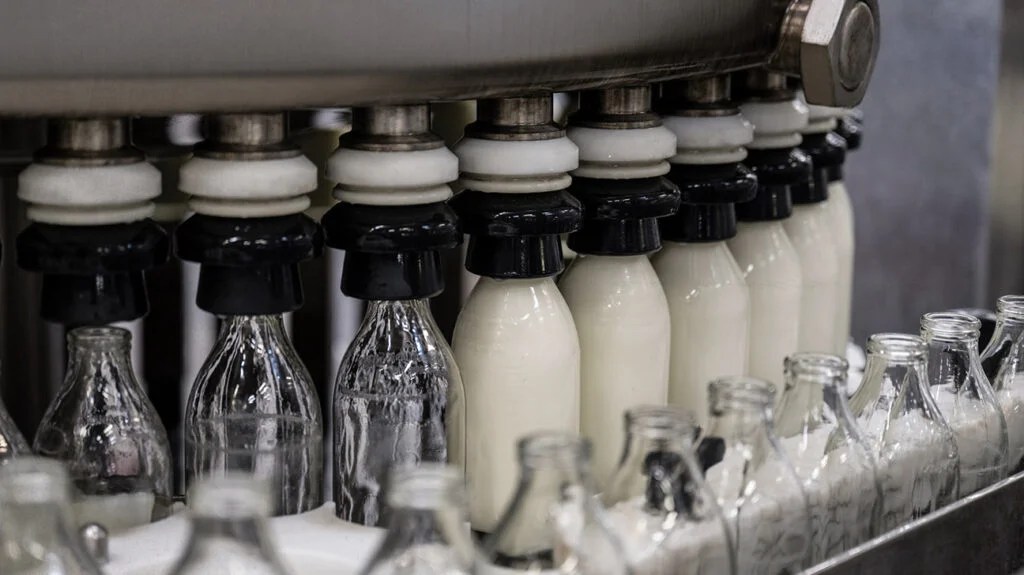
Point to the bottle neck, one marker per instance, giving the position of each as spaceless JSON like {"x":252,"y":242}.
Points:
{"x":952,"y":361}
{"x":413,"y":526}
{"x":801,"y":408}
{"x":208,"y":533}
{"x":899,"y":385}
{"x":101,"y":365}
{"x":741,"y":423}
{"x":654,"y":468}
{"x":1008,"y":330}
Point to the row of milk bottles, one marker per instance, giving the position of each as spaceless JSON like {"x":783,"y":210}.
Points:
{"x":759,"y":490}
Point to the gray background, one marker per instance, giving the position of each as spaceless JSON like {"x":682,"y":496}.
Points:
{"x":920,"y":185}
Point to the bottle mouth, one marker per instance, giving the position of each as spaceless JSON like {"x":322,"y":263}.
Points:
{"x":230,"y":496}
{"x":740,"y":392}
{"x":99,"y":337}
{"x":1011,"y":307}
{"x":30,"y":479}
{"x":950,"y":326}
{"x":426,"y":486}
{"x":553,"y":449}
{"x":822,"y":367}
{"x":897,"y":347}
{"x":660,"y":422}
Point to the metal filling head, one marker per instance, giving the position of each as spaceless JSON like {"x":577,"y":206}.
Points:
{"x":522,"y":118}
{"x":246,"y":137}
{"x":88,"y":142}
{"x":760,"y":85}
{"x":699,"y":97}
{"x":620,"y":108}
{"x":400,"y":128}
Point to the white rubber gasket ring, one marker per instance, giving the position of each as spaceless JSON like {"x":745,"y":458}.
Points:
{"x":709,"y":157}
{"x":262,"y":208}
{"x":776,"y":124}
{"x":393,"y":197}
{"x":515,"y":185}
{"x":516,"y":158}
{"x":708,"y":133}
{"x":88,"y":186}
{"x":630,"y":171}
{"x":90,"y":215}
{"x":643,"y":145}
{"x":410,"y":169}
{"x":252,"y":180}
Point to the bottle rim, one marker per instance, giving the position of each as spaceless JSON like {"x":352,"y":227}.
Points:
{"x":99,"y":337}
{"x":230,"y":496}
{"x":660,"y":422}
{"x":32,"y":479}
{"x":545,"y":448}
{"x":950,"y":325}
{"x":825,"y":368}
{"x":897,"y":346}
{"x":1011,"y":306}
{"x":426,"y":486}
{"x":739,"y":390}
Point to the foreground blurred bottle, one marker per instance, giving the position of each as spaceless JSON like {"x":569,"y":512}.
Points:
{"x":229,"y":536}
{"x":554,"y":524}
{"x":428,"y":532}
{"x":104,"y":428}
{"x":37,"y":532}
{"x":829,"y":453}
{"x":1003,"y":363}
{"x":915,"y":448}
{"x":253,"y":409}
{"x":12,"y":442}
{"x":965,"y":398}
{"x":757,"y":488}
{"x":658,"y":503}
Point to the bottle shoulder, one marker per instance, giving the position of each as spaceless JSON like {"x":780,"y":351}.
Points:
{"x":623,"y":286}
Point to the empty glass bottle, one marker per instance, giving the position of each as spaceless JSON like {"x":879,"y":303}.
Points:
{"x":253,"y":409}
{"x":103,"y":427}
{"x":428,"y":531}
{"x":229,"y":536}
{"x":757,"y":488}
{"x":397,"y":396}
{"x":658,"y":504}
{"x":829,"y":453}
{"x":553,"y":523}
{"x":12,"y":442}
{"x":916,"y":450}
{"x":965,"y":398}
{"x":37,"y":531}
{"x":1003,"y":362}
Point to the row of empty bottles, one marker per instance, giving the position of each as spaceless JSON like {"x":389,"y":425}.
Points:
{"x":760,"y":489}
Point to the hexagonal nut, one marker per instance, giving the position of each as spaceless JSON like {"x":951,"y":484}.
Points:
{"x":839,"y":43}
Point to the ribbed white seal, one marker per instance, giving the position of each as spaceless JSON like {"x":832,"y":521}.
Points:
{"x":776,"y":124}
{"x":622,"y":154}
{"x":709,"y":139}
{"x":511,"y":167}
{"x":89,"y":195}
{"x":219,"y":186}
{"x":822,"y":119}
{"x":393,"y":178}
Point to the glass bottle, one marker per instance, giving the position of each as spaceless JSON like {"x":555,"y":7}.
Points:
{"x":253,"y":409}
{"x":103,"y":427}
{"x":658,"y":504}
{"x":397,"y":395}
{"x":1003,"y":363}
{"x":965,"y":398}
{"x":37,"y":534}
{"x":829,"y":453}
{"x":554,"y":524}
{"x":229,"y":536}
{"x":757,"y":488}
{"x":918,"y":462}
{"x":428,"y":531}
{"x":12,"y":442}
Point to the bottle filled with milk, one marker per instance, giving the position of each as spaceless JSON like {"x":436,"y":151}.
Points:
{"x":916,"y":451}
{"x":965,"y":398}
{"x":707,"y":294}
{"x":617,"y":302}
{"x":103,"y":427}
{"x":515,"y":341}
{"x":554,"y":524}
{"x":1003,"y":362}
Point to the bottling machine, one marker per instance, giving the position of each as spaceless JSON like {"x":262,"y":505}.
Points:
{"x":105,"y":161}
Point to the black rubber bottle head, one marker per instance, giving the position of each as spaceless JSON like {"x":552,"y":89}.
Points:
{"x":620,"y":217}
